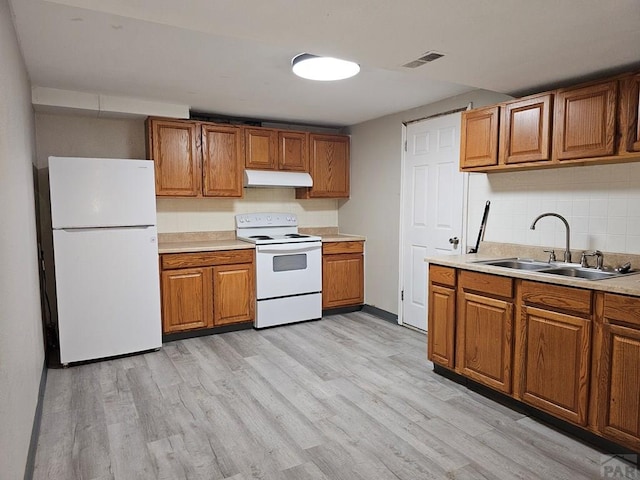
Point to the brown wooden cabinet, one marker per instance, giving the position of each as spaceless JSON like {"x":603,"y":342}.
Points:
{"x":619,"y":376}
{"x":484,"y":329}
{"x":525,"y":130}
{"x":328,"y":166}
{"x":585,"y":121}
{"x":194,"y":159}
{"x":553,"y":350}
{"x":260,"y":148}
{"x":221,"y":160}
{"x":293,"y":151}
{"x":629,"y":114}
{"x":174,"y":146}
{"x":231,"y":287}
{"x":479,"y":137}
{"x":207,"y":289}
{"x":442,"y":315}
{"x":187,"y":299}
{"x":342,"y":274}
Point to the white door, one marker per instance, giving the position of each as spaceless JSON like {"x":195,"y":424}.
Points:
{"x":432,"y":208}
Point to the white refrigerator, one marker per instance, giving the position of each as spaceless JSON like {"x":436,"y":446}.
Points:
{"x":103,"y":215}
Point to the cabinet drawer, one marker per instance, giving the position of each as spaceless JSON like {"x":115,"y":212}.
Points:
{"x":622,"y":308}
{"x":567,"y":299}
{"x":206,"y":259}
{"x":442,"y":275}
{"x":482,"y":282}
{"x":331,"y":248}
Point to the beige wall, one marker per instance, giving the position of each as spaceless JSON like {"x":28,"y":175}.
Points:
{"x":374,"y":207}
{"x":81,"y":136}
{"x":21,"y":344}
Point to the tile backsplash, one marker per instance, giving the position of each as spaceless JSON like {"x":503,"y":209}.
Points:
{"x":215,"y":214}
{"x":600,"y":202}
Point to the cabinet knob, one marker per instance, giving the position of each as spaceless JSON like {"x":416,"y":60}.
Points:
{"x":454,"y":241}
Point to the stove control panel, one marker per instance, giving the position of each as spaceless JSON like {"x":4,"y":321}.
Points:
{"x":245,"y":220}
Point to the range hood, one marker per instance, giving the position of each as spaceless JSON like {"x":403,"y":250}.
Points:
{"x":274,"y":178}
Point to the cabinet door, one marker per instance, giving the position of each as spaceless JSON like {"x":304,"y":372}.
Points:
{"x":525,"y":131}
{"x":187,"y":299}
{"x":555,"y":363}
{"x":293,"y":150}
{"x":442,"y":315}
{"x":619,"y":382}
{"x":585,"y":121}
{"x":260,"y":147}
{"x":479,"y":138}
{"x":222,"y":160}
{"x":173,"y":146}
{"x":328,"y":166}
{"x":484,"y":333}
{"x":630,"y":112}
{"x":342,"y":280}
{"x":233,"y":294}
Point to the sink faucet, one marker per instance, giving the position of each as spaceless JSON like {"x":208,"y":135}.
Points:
{"x":567,"y":251}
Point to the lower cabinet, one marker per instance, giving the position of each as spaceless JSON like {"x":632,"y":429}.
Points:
{"x":619,"y":382}
{"x":484,"y":329}
{"x":442,"y":314}
{"x":187,"y":299}
{"x":553,"y":350}
{"x":207,"y":289}
{"x":342,"y":274}
{"x":571,"y":352}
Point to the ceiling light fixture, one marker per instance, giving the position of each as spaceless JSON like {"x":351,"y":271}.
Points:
{"x":313,"y":67}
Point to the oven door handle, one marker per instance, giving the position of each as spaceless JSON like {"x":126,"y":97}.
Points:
{"x":288,"y":248}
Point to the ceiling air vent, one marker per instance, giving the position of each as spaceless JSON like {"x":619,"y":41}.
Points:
{"x":426,"y":58}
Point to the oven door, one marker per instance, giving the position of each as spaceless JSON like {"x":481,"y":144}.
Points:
{"x":288,"y":269}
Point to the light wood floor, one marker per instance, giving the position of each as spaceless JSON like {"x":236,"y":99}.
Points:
{"x":350,"y":397}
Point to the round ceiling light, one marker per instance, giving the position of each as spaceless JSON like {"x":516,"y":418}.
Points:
{"x":324,"y":69}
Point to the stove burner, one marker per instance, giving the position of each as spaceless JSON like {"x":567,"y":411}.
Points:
{"x":261,"y":237}
{"x":296,"y":235}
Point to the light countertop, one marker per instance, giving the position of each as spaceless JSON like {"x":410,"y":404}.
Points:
{"x":211,"y":241}
{"x":625,"y":285}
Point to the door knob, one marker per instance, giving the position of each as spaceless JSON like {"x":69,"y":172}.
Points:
{"x":454,"y":241}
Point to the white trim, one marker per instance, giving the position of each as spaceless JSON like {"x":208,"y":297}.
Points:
{"x":403,"y":160}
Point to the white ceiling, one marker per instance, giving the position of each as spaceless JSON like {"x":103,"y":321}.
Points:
{"x":232,"y":57}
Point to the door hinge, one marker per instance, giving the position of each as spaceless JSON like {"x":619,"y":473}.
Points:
{"x":402,"y":295}
{"x":405,"y":145}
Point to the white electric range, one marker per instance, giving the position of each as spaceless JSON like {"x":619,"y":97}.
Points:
{"x":288,"y":268}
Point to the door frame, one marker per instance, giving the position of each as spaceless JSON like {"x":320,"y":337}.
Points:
{"x":465,"y":210}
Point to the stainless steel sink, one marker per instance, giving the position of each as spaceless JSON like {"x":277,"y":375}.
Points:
{"x":554,"y":268}
{"x":516,"y":263}
{"x":589,"y":274}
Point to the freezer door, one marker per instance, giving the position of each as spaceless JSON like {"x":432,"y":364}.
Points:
{"x":101,"y":192}
{"x":108,"y":292}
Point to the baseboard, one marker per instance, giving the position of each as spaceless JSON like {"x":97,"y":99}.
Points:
{"x":341,"y":310}
{"x":171,"y":337}
{"x":35,"y":429}
{"x":380,"y":313}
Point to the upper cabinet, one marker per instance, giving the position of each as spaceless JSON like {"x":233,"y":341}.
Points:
{"x":479,"y":138}
{"x":203,"y":159}
{"x":328,"y":166}
{"x":591,"y":123}
{"x":194,"y":159}
{"x":174,"y":146}
{"x":629,"y":114}
{"x":585,"y":121}
{"x":260,"y":148}
{"x":525,"y":130}
{"x":221,"y":161}
{"x":293,"y":151}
